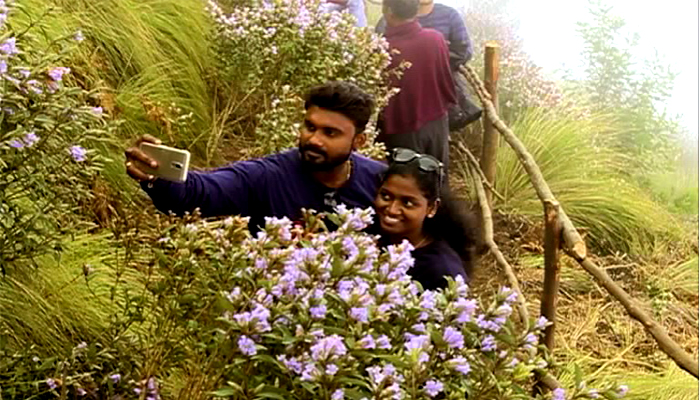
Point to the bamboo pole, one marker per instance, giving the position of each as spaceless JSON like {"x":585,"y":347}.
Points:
{"x":552,"y":234}
{"x":489,"y":151}
{"x":574,"y":244}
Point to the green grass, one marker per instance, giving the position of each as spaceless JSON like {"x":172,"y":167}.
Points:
{"x":54,"y":306}
{"x":587,"y":178}
{"x":677,"y":189}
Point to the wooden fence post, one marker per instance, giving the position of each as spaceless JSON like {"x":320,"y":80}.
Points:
{"x":552,"y":235}
{"x":489,"y":150}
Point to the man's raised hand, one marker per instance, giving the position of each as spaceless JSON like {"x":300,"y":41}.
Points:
{"x":134,"y":156}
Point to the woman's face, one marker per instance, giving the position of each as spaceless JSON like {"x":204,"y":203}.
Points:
{"x":401,"y":206}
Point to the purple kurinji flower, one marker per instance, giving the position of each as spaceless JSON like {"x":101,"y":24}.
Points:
{"x":78,"y":153}
{"x":488,"y":344}
{"x":530,"y":341}
{"x":460,"y":365}
{"x":593,"y":394}
{"x":291,"y":363}
{"x":3,"y":66}
{"x":57,"y":73}
{"x":331,"y":369}
{"x":541,"y":323}
{"x":30,"y":139}
{"x":453,"y":337}
{"x":16,"y":144}
{"x":283,"y":226}
{"x":383,"y":342}
{"x":51,"y":383}
{"x":80,"y":392}
{"x":247,"y":346}
{"x":558,"y":394}
{"x":432,"y":387}
{"x":359,"y":314}
{"x":78,"y":37}
{"x":328,"y":347}
{"x":97,"y":111}
{"x":423,"y":358}
{"x":115,"y":378}
{"x":338,"y":395}
{"x":417,"y":342}
{"x":318,"y":312}
{"x":367,"y":342}
{"x":9,"y":47}
{"x":33,"y":85}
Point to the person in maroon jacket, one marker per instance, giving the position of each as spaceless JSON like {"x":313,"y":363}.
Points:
{"x":416,"y":118}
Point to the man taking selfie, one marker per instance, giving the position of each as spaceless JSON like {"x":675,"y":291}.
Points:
{"x":323,"y":172}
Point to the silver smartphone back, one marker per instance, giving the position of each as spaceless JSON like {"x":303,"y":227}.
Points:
{"x":172,"y":163}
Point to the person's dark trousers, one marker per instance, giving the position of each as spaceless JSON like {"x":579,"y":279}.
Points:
{"x":430,"y":139}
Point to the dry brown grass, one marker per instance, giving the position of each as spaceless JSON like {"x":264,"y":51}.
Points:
{"x":593,"y":330}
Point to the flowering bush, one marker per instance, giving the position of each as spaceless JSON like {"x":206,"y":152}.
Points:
{"x":303,"y":313}
{"x":270,"y":55}
{"x":45,"y":123}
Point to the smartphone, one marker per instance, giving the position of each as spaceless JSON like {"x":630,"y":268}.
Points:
{"x":172,"y":163}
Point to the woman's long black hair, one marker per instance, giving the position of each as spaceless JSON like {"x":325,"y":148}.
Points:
{"x":452,"y":222}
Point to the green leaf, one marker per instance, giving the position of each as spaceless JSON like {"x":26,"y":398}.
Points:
{"x":224,"y":392}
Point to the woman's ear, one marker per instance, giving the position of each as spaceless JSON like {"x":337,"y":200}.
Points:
{"x":432,"y":210}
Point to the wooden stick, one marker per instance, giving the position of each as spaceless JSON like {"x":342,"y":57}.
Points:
{"x":575,"y":246}
{"x":472,"y":159}
{"x":489,"y":150}
{"x":488,"y":238}
{"x":550,"y":291}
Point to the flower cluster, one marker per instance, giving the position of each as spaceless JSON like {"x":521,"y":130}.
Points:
{"x":329,"y":314}
{"x":273,"y":54}
{"x":47,"y":123}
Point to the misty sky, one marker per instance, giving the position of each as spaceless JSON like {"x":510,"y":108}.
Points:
{"x":548,"y":28}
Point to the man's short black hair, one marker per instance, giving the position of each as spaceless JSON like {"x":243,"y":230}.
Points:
{"x":404,"y":9}
{"x":345,"y":98}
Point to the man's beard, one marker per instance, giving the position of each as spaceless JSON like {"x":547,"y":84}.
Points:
{"x":325,"y":163}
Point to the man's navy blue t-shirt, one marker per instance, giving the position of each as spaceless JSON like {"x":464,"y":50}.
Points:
{"x":272,"y":186}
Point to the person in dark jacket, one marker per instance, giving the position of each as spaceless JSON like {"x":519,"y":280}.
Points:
{"x":413,"y":204}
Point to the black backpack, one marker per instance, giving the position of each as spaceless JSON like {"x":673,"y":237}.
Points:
{"x":465,"y":111}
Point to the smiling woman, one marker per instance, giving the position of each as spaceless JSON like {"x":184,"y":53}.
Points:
{"x":413,"y":204}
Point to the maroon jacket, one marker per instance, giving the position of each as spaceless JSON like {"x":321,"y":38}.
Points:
{"x":427,"y":88}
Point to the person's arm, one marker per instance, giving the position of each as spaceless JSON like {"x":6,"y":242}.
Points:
{"x":461,"y":49}
{"x":226,"y":191}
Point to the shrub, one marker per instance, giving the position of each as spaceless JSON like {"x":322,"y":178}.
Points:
{"x":270,"y":55}
{"x":46,"y":123}
{"x":302,"y":313}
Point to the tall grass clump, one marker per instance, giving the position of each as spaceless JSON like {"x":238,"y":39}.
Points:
{"x":154,"y":57}
{"x":68,"y":298}
{"x":587,"y":177}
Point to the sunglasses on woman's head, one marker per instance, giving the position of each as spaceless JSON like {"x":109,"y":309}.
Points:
{"x":426,"y":163}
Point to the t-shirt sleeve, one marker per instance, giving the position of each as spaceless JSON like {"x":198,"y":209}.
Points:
{"x":231,"y":190}
{"x":461,"y":49}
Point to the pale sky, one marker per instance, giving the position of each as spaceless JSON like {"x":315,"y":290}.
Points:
{"x":548,"y":28}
